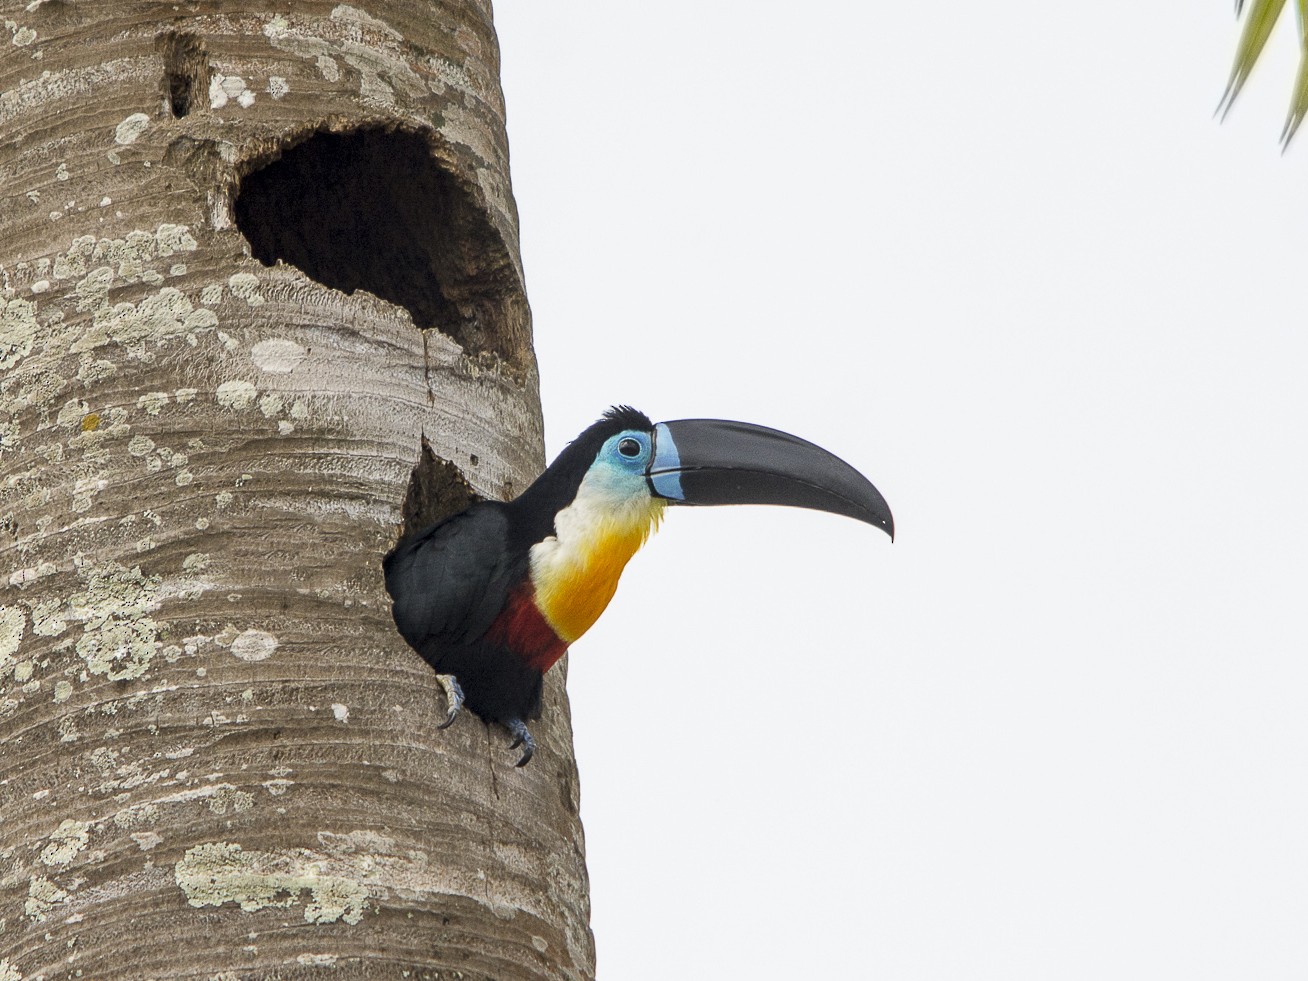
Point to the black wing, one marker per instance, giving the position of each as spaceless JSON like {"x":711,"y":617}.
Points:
{"x":449,"y":582}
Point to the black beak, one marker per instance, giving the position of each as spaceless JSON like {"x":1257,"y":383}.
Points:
{"x":712,"y":461}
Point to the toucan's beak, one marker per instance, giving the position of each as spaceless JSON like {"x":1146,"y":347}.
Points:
{"x":712,"y":461}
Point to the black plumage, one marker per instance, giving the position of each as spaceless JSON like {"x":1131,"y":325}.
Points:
{"x":449,"y":584}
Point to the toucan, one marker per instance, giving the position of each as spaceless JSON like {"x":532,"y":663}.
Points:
{"x":492,"y":597}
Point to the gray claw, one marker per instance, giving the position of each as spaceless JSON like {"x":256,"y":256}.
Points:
{"x":518,"y":728}
{"x":453,"y":697}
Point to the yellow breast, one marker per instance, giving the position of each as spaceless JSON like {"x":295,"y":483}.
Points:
{"x":576,"y":572}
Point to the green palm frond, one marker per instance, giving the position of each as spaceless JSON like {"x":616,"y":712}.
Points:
{"x":1257,"y":29}
{"x":1299,"y":105}
{"x":1258,"y":26}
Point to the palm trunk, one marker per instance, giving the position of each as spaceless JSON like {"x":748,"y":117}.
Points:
{"x":248,"y":263}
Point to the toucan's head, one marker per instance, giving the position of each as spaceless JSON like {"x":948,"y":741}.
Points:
{"x":588,"y":513}
{"x":626,"y":457}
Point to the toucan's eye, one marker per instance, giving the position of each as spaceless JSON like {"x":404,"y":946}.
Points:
{"x":629,"y":447}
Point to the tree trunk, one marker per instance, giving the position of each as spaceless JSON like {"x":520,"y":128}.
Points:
{"x":250,"y":265}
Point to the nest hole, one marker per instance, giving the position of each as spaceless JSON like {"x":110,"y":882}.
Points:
{"x":374,"y":210}
{"x":437,"y":490}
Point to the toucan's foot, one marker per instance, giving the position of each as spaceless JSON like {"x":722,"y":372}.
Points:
{"x":453,"y":697}
{"x":518,"y":729}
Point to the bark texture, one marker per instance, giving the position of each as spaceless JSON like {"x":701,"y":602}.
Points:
{"x":219,"y":758}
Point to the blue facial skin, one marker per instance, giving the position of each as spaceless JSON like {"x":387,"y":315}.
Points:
{"x":631,"y":455}
{"x":620,"y":465}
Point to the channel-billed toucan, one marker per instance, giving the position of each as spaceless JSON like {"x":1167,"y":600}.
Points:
{"x":493,"y":596}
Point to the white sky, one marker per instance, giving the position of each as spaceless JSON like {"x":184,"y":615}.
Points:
{"x":1001,"y":257}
